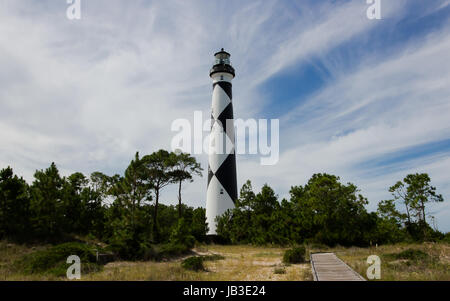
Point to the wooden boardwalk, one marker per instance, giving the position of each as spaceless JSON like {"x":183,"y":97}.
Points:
{"x":328,"y":267}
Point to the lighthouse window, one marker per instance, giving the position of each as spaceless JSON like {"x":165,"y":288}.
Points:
{"x":221,"y":191}
{"x":222,"y":61}
{"x":221,"y":77}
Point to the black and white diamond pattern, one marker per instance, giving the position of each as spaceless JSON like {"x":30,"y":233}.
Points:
{"x":222,"y":186}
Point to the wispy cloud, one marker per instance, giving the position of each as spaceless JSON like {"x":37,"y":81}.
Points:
{"x":87,"y":94}
{"x":384,"y":106}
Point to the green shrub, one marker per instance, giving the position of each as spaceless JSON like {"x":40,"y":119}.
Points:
{"x":53,"y":260}
{"x":128,"y":244}
{"x":279,"y":271}
{"x":181,"y":234}
{"x":411,"y":254}
{"x":172,"y":250}
{"x":317,"y":246}
{"x":193,"y":263}
{"x":213,"y":257}
{"x":294,"y":255}
{"x":181,"y":241}
{"x":446,"y":238}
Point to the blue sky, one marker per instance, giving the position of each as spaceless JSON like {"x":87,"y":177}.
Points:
{"x":368,"y":100}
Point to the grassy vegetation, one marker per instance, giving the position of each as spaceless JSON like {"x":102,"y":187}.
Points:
{"x":279,"y":271}
{"x":213,"y":257}
{"x":220,"y":263}
{"x":194,"y":263}
{"x":53,"y":260}
{"x":400,"y":262}
{"x":428,"y":261}
{"x":21,"y":262}
{"x":295,"y":255}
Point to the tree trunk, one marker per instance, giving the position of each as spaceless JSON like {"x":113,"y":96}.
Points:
{"x":423,"y":212}
{"x":155,"y":217}
{"x":424,"y":220}
{"x":407,"y":213}
{"x":133,"y":203}
{"x":179,"y":200}
{"x":132,"y":215}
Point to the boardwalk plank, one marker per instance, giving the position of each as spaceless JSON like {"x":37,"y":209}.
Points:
{"x":328,"y":267}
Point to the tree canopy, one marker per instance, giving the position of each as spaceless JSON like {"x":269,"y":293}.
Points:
{"x":124,"y":211}
{"x":325,"y":211}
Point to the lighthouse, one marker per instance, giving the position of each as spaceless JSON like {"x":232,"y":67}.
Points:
{"x":222,"y":186}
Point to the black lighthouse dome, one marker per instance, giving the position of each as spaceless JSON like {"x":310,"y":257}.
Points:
{"x":222,"y":63}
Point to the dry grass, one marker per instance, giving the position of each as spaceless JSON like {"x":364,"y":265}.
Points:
{"x":252,"y":263}
{"x":436,"y":267}
{"x":240,"y":263}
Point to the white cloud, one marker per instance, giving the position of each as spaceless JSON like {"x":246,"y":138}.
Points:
{"x":381,"y":108}
{"x":87,"y":94}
